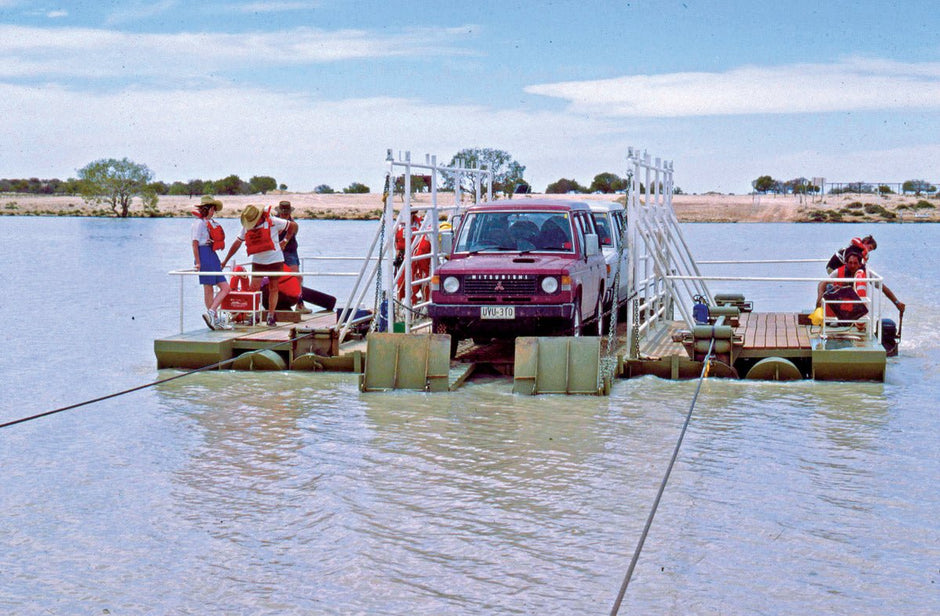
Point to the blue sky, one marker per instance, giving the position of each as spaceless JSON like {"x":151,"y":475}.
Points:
{"x":314,"y":91}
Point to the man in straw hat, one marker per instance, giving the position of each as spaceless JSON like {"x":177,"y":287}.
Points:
{"x":260,"y":231}
{"x":208,"y":237}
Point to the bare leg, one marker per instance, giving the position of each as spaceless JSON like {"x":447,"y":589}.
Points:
{"x":224,"y":289}
{"x":272,"y":296}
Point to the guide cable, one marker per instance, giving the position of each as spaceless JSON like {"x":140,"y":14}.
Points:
{"x":139,"y":387}
{"x":662,"y":486}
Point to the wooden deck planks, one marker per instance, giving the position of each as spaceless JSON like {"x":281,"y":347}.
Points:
{"x":772,"y":330}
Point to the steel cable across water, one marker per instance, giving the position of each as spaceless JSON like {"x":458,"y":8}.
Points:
{"x":662,"y":486}
{"x":144,"y":386}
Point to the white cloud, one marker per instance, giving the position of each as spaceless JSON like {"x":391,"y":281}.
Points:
{"x":52,"y":131}
{"x":853,"y":84}
{"x":57,"y":14}
{"x":94,"y":53}
{"x":276,"y":7}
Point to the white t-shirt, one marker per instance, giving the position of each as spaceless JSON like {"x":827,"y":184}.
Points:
{"x":201,"y":232}
{"x":268,"y":256}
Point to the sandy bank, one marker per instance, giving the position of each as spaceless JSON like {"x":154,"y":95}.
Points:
{"x":689,"y":208}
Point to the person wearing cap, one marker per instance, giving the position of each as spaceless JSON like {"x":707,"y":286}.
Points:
{"x":208,"y":237}
{"x":260,"y":231}
{"x":291,"y":258}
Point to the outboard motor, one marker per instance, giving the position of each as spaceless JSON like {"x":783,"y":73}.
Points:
{"x":889,"y":337}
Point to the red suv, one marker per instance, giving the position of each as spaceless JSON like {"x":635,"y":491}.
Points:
{"x":520,"y":267}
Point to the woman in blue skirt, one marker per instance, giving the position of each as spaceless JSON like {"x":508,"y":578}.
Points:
{"x":208,"y":237}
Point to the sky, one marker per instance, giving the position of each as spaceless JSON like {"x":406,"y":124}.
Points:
{"x":314,"y":92}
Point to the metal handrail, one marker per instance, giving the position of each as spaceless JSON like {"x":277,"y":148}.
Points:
{"x":873,"y":317}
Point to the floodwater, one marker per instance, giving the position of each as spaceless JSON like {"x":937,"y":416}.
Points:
{"x":280,"y":493}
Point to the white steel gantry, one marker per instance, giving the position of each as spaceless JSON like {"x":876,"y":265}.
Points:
{"x":396,"y":289}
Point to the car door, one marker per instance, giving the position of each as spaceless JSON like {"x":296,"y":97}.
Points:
{"x":620,"y":223}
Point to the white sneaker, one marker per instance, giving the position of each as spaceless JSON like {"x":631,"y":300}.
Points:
{"x":210,"y":318}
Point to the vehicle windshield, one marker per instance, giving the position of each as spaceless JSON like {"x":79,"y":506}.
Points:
{"x":515,"y":232}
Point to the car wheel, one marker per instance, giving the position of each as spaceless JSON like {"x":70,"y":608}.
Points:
{"x":441,"y":328}
{"x":576,"y":319}
{"x":599,"y":320}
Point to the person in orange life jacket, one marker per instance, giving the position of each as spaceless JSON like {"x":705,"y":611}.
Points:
{"x":289,"y":290}
{"x":420,"y":268}
{"x":260,"y":235}
{"x":292,"y":291}
{"x":833,"y":290}
{"x":863,"y":244}
{"x":208,"y":237}
{"x":291,"y":258}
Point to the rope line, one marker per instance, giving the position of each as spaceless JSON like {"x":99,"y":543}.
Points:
{"x":662,"y":486}
{"x":139,"y":387}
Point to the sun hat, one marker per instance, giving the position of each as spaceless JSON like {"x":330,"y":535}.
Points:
{"x":205,"y":203}
{"x":250,"y":216}
{"x":285,"y":206}
{"x":208,"y":200}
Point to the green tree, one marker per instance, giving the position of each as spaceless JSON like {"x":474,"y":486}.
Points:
{"x":918,"y":186}
{"x":159,"y":187}
{"x":231,"y":185}
{"x":324,"y":189}
{"x":607,"y":183}
{"x":564,"y":186}
{"x":282,"y":187}
{"x":764,"y":184}
{"x":116,"y":182}
{"x":178,"y":188}
{"x":262,"y":184}
{"x":356,"y":188}
{"x":507,"y":173}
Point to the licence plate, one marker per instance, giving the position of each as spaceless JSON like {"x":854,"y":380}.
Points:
{"x":497,"y":312}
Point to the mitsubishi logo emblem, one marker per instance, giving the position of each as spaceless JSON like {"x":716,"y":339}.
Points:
{"x":499,"y":286}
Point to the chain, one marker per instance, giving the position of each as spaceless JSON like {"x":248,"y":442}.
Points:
{"x":635,"y":343}
{"x":378,"y":272}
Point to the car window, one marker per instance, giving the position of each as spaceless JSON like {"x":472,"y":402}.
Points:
{"x":603,"y":229}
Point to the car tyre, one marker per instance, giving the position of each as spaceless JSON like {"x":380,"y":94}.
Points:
{"x":439,"y":327}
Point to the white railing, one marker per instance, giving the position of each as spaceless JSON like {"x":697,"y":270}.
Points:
{"x":183,"y":274}
{"x":873,"y":301}
{"x":657,"y":248}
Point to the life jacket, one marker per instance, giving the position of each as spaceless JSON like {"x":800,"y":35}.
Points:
{"x":860,"y":286}
{"x":239,"y":283}
{"x":258,"y":238}
{"x":858,"y":243}
{"x":288,"y":285}
{"x":400,"y":233}
{"x":216,"y":234}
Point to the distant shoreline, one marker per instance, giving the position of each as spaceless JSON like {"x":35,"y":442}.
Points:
{"x":368,"y":206}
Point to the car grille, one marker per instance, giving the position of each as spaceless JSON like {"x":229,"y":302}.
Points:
{"x":500,"y":284}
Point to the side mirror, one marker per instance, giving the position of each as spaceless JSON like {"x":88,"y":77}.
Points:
{"x":447,"y":242}
{"x":591,"y":245}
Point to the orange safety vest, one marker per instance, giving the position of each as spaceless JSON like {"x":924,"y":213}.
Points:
{"x":258,"y":239}
{"x":860,"y":285}
{"x":400,"y":233}
{"x":288,"y":285}
{"x":239,"y":283}
{"x":216,"y":234}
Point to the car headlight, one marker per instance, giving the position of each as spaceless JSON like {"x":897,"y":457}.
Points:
{"x":451,"y":284}
{"x":549,"y":284}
